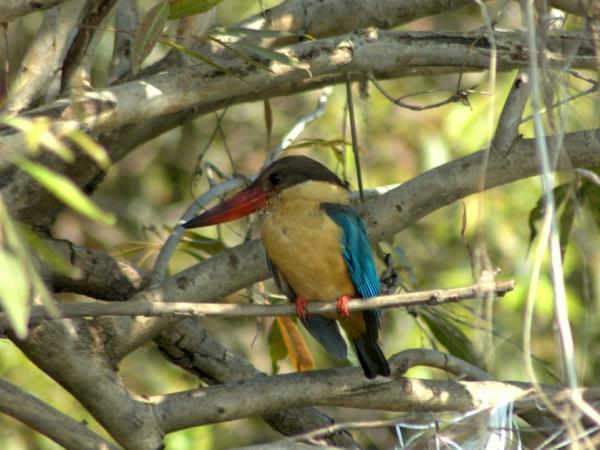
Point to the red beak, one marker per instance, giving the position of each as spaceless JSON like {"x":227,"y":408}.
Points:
{"x":241,"y":204}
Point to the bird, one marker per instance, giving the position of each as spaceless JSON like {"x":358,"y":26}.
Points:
{"x":317,"y":250}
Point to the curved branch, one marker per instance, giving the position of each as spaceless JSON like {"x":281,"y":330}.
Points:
{"x":445,"y":184}
{"x":191,"y":347}
{"x":73,"y":353}
{"x":342,"y":387}
{"x":41,"y":417}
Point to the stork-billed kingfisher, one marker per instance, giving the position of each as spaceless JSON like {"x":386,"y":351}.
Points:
{"x":317,"y":249}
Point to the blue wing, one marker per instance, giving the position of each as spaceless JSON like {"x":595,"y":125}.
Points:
{"x":358,"y":257}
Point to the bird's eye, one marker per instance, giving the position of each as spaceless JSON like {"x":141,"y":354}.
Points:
{"x":275,"y":178}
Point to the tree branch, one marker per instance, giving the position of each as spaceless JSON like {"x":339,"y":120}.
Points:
{"x":78,"y":60}
{"x":158,"y":309}
{"x":44,"y":56}
{"x":73,"y":353}
{"x":369,"y":51}
{"x":38,"y":415}
{"x":330,"y":17}
{"x":100,"y":275}
{"x":191,"y":347}
{"x":343,"y":387}
{"x":11,"y":9}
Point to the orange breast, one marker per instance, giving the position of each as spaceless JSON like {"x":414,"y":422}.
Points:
{"x":304,"y":243}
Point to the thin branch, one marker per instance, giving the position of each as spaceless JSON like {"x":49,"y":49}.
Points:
{"x":166,"y":251}
{"x":52,"y":423}
{"x":460,"y":96}
{"x":155,"y":309}
{"x":353,"y":133}
{"x":300,"y":126}
{"x":592,"y":177}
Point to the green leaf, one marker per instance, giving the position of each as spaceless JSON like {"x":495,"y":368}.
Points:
{"x":14,"y":294}
{"x":268,"y":119}
{"x":254,"y":34}
{"x":66,"y":191}
{"x":449,"y":334}
{"x":184,"y":8}
{"x":537,"y":213}
{"x":197,"y":241}
{"x":277,"y":348}
{"x":54,"y":259}
{"x":269,"y":54}
{"x":241,"y":54}
{"x":38,"y":132}
{"x":199,"y":56}
{"x":148,"y":33}
{"x":589,"y":193}
{"x":566,"y":223}
{"x":91,"y":148}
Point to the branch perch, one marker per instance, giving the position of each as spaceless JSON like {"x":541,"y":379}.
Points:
{"x":149,"y":308}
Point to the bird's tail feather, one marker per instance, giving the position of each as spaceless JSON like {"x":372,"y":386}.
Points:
{"x":370,"y":356}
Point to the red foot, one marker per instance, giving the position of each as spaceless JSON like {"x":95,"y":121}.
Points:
{"x":300,"y":308}
{"x":342,"y":305}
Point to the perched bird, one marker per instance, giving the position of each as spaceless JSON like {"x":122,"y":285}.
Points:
{"x":317,"y":249}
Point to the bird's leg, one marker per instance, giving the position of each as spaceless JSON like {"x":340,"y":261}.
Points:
{"x":342,"y":305}
{"x":300,"y":308}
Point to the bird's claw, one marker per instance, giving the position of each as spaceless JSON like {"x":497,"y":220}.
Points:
{"x":300,"y":308}
{"x":342,"y":306}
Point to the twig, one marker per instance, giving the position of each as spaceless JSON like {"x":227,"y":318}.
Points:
{"x":162,"y":261}
{"x":353,"y":133}
{"x":149,"y":308}
{"x":300,"y":125}
{"x":564,"y":101}
{"x":459,"y":96}
{"x":588,"y":175}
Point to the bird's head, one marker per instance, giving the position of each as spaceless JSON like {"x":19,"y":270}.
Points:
{"x":282,"y":174}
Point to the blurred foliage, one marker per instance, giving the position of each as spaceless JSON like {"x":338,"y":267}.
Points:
{"x":149,"y":190}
